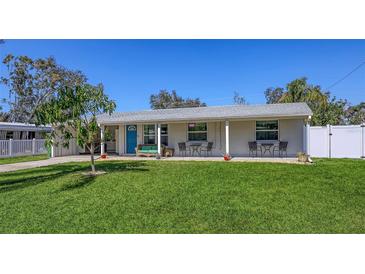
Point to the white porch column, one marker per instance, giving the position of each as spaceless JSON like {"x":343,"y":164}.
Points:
{"x":159,"y":139}
{"x":120,"y":139}
{"x":307,"y":139}
{"x":102,"y":150}
{"x":227,"y":137}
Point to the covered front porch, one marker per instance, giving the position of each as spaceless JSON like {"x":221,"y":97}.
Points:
{"x":210,"y":139}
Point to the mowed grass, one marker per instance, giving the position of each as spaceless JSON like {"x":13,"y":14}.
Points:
{"x":19,"y":159}
{"x":186,"y":197}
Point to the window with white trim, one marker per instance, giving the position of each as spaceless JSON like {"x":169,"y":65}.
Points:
{"x":164,"y":135}
{"x":150,"y":134}
{"x":197,"y":132}
{"x":267,"y":130}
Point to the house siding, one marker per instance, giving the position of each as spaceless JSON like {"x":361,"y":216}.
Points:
{"x":241,"y":132}
{"x":291,"y":131}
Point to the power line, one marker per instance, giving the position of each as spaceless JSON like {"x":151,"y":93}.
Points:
{"x":347,"y":75}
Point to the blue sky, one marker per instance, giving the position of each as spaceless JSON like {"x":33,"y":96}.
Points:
{"x":131,"y":70}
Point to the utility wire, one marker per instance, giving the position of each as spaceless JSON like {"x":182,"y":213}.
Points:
{"x":347,"y":75}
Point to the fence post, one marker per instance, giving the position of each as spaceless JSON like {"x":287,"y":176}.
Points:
{"x":52,"y":151}
{"x":10,"y":147}
{"x":33,"y":146}
{"x":363,"y":141}
{"x":329,"y":135}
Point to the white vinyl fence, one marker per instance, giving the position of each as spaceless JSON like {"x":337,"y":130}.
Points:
{"x":337,"y":141}
{"x":12,"y":148}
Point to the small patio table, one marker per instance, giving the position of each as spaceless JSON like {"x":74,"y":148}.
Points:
{"x":195,"y":148}
{"x":267,"y":147}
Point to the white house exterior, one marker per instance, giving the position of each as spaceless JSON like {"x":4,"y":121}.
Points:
{"x":230,"y":128}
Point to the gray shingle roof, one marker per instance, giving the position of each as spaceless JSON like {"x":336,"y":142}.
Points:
{"x":208,"y":113}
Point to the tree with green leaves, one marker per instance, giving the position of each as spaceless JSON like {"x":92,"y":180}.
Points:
{"x":165,"y":99}
{"x":355,"y":115}
{"x":33,"y":82}
{"x":4,"y":116}
{"x":273,"y":95}
{"x":73,"y":112}
{"x":326,"y":109}
{"x":238,"y":99}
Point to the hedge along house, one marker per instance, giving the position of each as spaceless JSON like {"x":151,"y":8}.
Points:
{"x":229,"y":128}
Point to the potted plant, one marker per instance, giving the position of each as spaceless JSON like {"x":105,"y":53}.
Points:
{"x":227,"y":157}
{"x":303,"y":157}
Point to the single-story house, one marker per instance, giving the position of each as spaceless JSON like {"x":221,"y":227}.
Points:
{"x":229,"y":128}
{"x":21,"y":131}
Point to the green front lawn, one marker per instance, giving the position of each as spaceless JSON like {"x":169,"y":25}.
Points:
{"x":19,"y":159}
{"x":186,"y":197}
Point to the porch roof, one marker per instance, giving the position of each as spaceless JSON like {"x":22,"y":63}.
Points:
{"x":209,"y":113}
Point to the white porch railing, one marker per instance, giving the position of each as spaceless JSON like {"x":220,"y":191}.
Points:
{"x":12,"y":148}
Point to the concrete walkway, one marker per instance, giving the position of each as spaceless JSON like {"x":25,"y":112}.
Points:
{"x":85,"y":158}
{"x":41,"y":163}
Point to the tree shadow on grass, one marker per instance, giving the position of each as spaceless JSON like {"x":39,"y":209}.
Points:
{"x":27,"y":178}
{"x":108,"y":167}
{"x":81,"y":181}
{"x":32,"y":177}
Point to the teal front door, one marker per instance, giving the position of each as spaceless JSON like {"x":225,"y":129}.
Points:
{"x":131,"y":138}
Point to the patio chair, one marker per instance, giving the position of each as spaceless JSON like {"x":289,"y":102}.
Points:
{"x":281,"y":148}
{"x":208,"y":149}
{"x":182,"y":149}
{"x":253,"y":148}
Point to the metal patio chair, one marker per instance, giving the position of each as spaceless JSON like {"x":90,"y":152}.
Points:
{"x":253,"y":148}
{"x":182,"y":149}
{"x":208,"y":149}
{"x":281,"y":149}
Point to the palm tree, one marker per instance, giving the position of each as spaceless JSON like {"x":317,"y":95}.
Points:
{"x":300,"y":91}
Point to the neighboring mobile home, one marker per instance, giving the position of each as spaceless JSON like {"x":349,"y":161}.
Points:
{"x":21,"y":131}
{"x":18,"y":139}
{"x":230,"y":128}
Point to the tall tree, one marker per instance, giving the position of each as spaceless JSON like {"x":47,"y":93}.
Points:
{"x":355,"y":115}
{"x":4,"y":116}
{"x":273,"y":95}
{"x":326,"y":109}
{"x":238,"y":99}
{"x":33,"y":82}
{"x":165,"y":99}
{"x":72,"y":112}
{"x":331,"y":113}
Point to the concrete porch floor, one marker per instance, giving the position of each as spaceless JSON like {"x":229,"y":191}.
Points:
{"x":288,"y":160}
{"x":85,"y":158}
